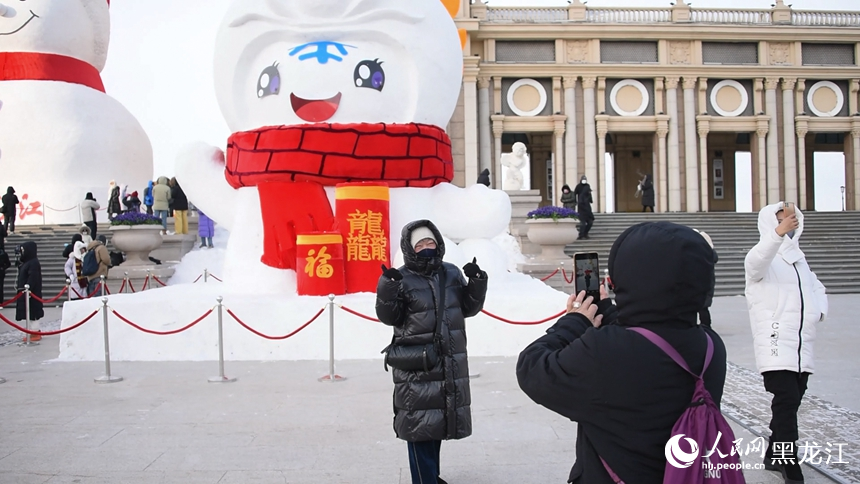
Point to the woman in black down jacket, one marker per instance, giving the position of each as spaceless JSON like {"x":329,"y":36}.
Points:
{"x":430,"y":406}
{"x":30,"y":273}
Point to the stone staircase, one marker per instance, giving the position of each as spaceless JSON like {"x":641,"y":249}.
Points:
{"x":831,"y":242}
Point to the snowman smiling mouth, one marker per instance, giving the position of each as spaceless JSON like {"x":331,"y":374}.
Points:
{"x":315,"y":110}
{"x":32,"y":16}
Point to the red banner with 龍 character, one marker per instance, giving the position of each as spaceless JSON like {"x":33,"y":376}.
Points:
{"x":362,"y":214}
{"x":319,"y":264}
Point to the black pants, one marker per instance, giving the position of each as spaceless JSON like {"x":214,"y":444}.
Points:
{"x":93,"y":228}
{"x":788,"y":388}
{"x":646,"y":207}
{"x":424,"y":461}
{"x":9,"y":222}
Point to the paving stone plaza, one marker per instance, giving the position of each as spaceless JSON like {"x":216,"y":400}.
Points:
{"x":277,"y":424}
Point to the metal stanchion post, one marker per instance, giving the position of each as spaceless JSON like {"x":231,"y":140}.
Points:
{"x":28,"y":341}
{"x":331,"y":377}
{"x":205,"y":275}
{"x":103,"y":280}
{"x":149,"y":277}
{"x":606,"y":280}
{"x":68,"y":289}
{"x":221,"y":378}
{"x":107,"y":378}
{"x":125,"y":282}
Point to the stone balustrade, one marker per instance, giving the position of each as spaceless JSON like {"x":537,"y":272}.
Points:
{"x":731,"y":16}
{"x":826,"y":19}
{"x":628,"y":15}
{"x":532,"y":14}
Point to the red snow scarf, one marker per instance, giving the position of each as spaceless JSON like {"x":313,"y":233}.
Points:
{"x":290,"y":165}
{"x":30,"y":66}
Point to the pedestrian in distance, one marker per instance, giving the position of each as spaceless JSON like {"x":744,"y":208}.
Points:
{"x":180,"y":207}
{"x":568,"y":200}
{"x":74,"y":264}
{"x":582,"y":194}
{"x":596,"y":367}
{"x":427,"y":302}
{"x":5,"y":262}
{"x":30,"y":273}
{"x":147,"y":198}
{"x":205,"y":229}
{"x":161,"y":201}
{"x":114,"y":206}
{"x":88,"y":214}
{"x":102,"y":257}
{"x":9,"y":210}
{"x":647,"y":187}
{"x":131,"y":202}
{"x":786,"y":302}
{"x":484,"y":177}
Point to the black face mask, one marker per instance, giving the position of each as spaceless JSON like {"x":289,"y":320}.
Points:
{"x":426,"y":253}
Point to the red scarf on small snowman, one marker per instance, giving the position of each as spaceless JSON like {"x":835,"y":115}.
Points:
{"x":34,"y":66}
{"x":290,"y":165}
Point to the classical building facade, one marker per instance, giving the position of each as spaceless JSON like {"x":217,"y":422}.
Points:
{"x":672,"y":92}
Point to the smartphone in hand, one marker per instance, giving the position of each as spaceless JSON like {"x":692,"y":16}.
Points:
{"x":587,"y":274}
{"x":788,"y":209}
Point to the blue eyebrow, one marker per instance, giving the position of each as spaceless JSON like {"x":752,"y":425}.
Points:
{"x":322,"y":54}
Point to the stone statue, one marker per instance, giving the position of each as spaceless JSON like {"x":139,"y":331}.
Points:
{"x":514,"y":162}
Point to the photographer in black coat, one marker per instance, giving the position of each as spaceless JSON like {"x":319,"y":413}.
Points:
{"x":431,"y":404}
{"x":624,"y":392}
{"x":30,"y":272}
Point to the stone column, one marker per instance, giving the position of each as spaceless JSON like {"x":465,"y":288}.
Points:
{"x":691,"y":156}
{"x":558,"y":158}
{"x":772,"y":141}
{"x":801,"y":128}
{"x":470,"y":108}
{"x":601,"y":166}
{"x":761,"y":132}
{"x":674,"y":151}
{"x":485,"y":132}
{"x":790,"y":153}
{"x":704,"y":169}
{"x":855,"y":133}
{"x":591,"y":161}
{"x":571,"y":173}
{"x":498,"y":129}
{"x":662,"y":131}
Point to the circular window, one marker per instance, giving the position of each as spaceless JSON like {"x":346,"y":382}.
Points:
{"x":729,"y":98}
{"x":825,"y":99}
{"x":527,"y":97}
{"x":629,"y":98}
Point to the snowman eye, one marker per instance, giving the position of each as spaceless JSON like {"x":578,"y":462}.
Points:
{"x":369,"y":74}
{"x":269,"y":82}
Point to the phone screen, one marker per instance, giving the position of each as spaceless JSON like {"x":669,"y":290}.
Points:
{"x":587,"y":274}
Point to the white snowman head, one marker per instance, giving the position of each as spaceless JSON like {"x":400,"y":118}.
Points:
{"x":73,"y":28}
{"x":287,"y":62}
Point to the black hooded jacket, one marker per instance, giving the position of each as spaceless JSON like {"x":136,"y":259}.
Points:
{"x":432,"y":405}
{"x":30,"y":273}
{"x":622,"y":390}
{"x":10,"y":202}
{"x":582,"y":195}
{"x":647,"y":192}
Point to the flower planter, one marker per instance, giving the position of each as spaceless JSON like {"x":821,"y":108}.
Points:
{"x":136,"y":241}
{"x":552,"y":236}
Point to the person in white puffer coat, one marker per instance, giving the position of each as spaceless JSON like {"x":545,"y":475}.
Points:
{"x":786,"y":301}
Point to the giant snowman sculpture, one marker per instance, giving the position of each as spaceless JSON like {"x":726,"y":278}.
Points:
{"x":296,"y":68}
{"x":291,"y":65}
{"x":60,"y":134}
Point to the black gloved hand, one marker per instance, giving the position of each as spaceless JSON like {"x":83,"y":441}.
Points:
{"x":471,"y":269}
{"x":391,"y":273}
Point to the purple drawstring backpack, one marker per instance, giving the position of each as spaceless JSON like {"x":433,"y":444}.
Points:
{"x":701,"y":426}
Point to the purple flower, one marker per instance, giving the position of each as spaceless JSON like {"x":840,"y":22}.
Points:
{"x":135,"y":218}
{"x":554,"y":213}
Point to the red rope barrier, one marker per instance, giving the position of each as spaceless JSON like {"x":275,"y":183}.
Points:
{"x":547,"y":277}
{"x":106,"y":288}
{"x":49,"y":333}
{"x":356,"y":313}
{"x":18,"y":296}
{"x":522,"y":323}
{"x":198,"y":278}
{"x":564,"y":275}
{"x":131,"y":286}
{"x":48,"y":301}
{"x":161,"y":333}
{"x":275,"y":337}
{"x":159,"y":281}
{"x":122,"y":287}
{"x":145,"y":282}
{"x":216,"y":278}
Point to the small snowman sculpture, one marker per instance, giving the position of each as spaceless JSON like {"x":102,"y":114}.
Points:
{"x":314,"y":92}
{"x":61,"y":136}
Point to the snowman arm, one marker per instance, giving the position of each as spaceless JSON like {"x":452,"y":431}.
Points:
{"x":200,"y":170}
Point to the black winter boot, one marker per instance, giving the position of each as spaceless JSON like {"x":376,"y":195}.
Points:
{"x":769,"y":464}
